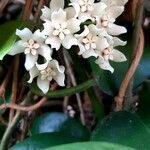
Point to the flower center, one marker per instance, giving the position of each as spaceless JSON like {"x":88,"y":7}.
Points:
{"x":89,"y":41}
{"x":104,"y":21}
{"x":85,"y":5}
{"x":60,"y":30}
{"x":106,"y":53}
{"x":48,"y":73}
{"x":31,"y":47}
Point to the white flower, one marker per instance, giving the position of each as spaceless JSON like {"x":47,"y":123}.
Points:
{"x":110,"y":53}
{"x":60,"y":29}
{"x":32,"y":45}
{"x":89,"y":41}
{"x":106,"y":20}
{"x":85,"y":9}
{"x":46,"y":72}
{"x":110,"y":3}
{"x":55,"y":5}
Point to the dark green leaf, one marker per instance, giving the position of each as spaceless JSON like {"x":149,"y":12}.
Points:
{"x":123,"y":128}
{"x":48,"y":122}
{"x":8,"y":36}
{"x":90,"y":146}
{"x":44,"y":140}
{"x":144,"y":103}
{"x":59,"y":122}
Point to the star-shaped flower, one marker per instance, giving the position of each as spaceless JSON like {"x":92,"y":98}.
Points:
{"x":106,"y":20}
{"x":55,"y":5}
{"x":46,"y":73}
{"x":32,"y":45}
{"x":107,"y":53}
{"x":89,"y":41}
{"x":85,"y":9}
{"x":60,"y":29}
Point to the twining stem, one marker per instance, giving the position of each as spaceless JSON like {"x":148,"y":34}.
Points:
{"x":23,"y":108}
{"x":73,"y":80}
{"x":11,"y":126}
{"x":36,"y":16}
{"x":64,"y":92}
{"x":138,"y":47}
{"x":14,"y":86}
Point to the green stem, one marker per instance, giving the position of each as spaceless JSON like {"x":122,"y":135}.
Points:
{"x":64,"y":92}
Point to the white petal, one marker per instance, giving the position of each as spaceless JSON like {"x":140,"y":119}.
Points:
{"x":118,"y":56}
{"x":43,"y":85}
{"x":73,"y":25}
{"x":70,"y":12}
{"x":101,"y":43}
{"x":116,"y":29}
{"x":24,"y":34}
{"x":98,"y":8}
{"x":38,"y":36}
{"x":93,"y":29}
{"x":85,"y":16}
{"x":84,"y":33}
{"x":115,"y":11}
{"x":42,"y":66}
{"x":81,"y":49}
{"x":45,"y":51}
{"x":89,"y":53}
{"x":58,"y":16}
{"x":69,"y":41}
{"x":34,"y":72}
{"x":56,"y":4}
{"x":118,"y":42}
{"x":76,"y":7}
{"x":60,"y":79}
{"x":17,"y":48}
{"x":30,"y":61}
{"x":54,"y":42}
{"x":114,"y":2}
{"x":54,"y":64}
{"x":46,"y":13}
{"x":48,"y":28}
{"x":104,"y":64}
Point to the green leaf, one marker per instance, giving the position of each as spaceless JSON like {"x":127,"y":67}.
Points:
{"x":59,"y":122}
{"x":48,"y":122}
{"x":8,"y":36}
{"x":123,"y":128}
{"x":144,"y":103}
{"x":90,"y":146}
{"x":44,"y":140}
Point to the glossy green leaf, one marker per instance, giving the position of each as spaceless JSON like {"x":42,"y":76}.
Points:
{"x":90,"y":146}
{"x":48,"y":122}
{"x":144,"y":103}
{"x":123,"y":128}
{"x":59,"y":122}
{"x":44,"y":140}
{"x":8,"y":36}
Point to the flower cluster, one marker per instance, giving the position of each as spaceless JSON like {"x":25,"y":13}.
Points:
{"x":62,"y":27}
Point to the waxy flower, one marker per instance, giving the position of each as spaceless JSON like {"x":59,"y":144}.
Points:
{"x":60,"y":29}
{"x":55,"y":5}
{"x":106,"y":20}
{"x":45,"y":73}
{"x":89,"y":41}
{"x":32,"y":45}
{"x":86,"y":9}
{"x":107,"y":53}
